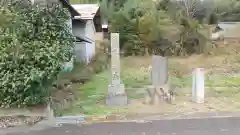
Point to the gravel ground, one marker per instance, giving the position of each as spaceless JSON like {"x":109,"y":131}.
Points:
{"x":14,"y":121}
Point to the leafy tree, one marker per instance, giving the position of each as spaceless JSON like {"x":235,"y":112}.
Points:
{"x":213,"y":18}
{"x":228,"y":10}
{"x":33,"y":48}
{"x":83,"y":1}
{"x":144,"y":26}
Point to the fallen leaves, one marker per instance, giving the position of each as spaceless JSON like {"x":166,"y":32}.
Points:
{"x":14,"y":121}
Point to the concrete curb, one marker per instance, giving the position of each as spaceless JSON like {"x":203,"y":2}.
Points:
{"x":69,"y":119}
{"x":199,"y":115}
{"x":46,"y":124}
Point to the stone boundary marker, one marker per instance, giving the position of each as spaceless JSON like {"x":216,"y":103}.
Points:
{"x":198,"y":87}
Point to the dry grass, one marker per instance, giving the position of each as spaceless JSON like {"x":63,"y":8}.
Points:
{"x":220,"y":66}
{"x":184,"y":105}
{"x":221,"y":69}
{"x":225,"y":59}
{"x":181,"y":107}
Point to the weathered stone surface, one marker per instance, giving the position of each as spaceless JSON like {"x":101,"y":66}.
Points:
{"x":116,"y":90}
{"x":159,"y":74}
{"x":159,"y":79}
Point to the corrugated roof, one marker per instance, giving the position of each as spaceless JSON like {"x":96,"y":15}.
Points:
{"x":87,"y":11}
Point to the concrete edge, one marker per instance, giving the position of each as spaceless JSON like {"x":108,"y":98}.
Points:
{"x":200,"y":115}
{"x":46,"y":124}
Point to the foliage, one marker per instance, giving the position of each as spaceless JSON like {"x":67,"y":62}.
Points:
{"x":66,"y":87}
{"x":83,"y":1}
{"x":167,"y":27}
{"x":191,"y":39}
{"x":33,"y":48}
{"x":122,"y":21}
{"x":213,"y":18}
{"x":164,"y":27}
{"x":228,"y":10}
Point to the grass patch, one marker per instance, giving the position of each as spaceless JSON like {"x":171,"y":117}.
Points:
{"x":135,"y":79}
{"x":210,"y":81}
{"x":78,"y":88}
{"x":91,"y":96}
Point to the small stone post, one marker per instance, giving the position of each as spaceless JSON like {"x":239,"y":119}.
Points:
{"x":116,"y":90}
{"x":198,"y":85}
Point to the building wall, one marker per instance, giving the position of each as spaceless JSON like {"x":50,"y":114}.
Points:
{"x":87,"y":50}
{"x":90,"y":29}
{"x":78,"y":28}
{"x":80,"y":52}
{"x":90,"y":33}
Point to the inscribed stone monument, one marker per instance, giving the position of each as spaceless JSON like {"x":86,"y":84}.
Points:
{"x":159,"y":79}
{"x":116,"y":90}
{"x":159,"y":74}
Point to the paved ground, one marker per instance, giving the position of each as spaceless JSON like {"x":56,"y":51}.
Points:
{"x":210,"y":126}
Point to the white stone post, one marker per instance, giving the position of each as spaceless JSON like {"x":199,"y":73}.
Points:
{"x":116,"y":90}
{"x":198,"y":85}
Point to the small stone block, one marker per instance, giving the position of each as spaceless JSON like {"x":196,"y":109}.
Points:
{"x":118,"y":99}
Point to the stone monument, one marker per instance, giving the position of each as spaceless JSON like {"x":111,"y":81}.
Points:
{"x":116,"y":90}
{"x":160,"y":82}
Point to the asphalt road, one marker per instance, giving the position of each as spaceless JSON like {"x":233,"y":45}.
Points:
{"x":210,"y":126}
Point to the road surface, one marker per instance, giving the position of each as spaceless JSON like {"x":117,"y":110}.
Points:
{"x":208,"y":126}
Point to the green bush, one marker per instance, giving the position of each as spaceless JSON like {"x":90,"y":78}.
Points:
{"x":33,"y":48}
{"x":157,"y":27}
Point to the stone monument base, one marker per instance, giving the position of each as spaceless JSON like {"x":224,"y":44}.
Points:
{"x":118,"y":98}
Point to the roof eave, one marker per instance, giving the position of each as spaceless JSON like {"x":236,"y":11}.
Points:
{"x":70,"y":8}
{"x":86,"y":18}
{"x":83,"y":39}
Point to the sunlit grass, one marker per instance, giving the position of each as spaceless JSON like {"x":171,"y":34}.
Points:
{"x":92,"y":95}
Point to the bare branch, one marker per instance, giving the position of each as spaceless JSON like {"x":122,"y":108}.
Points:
{"x":190,"y":7}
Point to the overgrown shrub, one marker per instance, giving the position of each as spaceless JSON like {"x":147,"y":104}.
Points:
{"x":68,"y":84}
{"x":33,"y":48}
{"x":158,"y":27}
